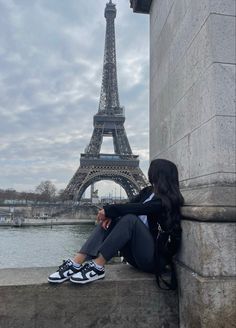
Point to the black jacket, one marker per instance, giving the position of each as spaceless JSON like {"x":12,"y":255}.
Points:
{"x":153,"y":209}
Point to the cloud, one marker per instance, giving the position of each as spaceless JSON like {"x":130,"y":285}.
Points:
{"x":51,"y":57}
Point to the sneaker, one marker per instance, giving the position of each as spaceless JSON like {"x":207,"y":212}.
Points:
{"x":88,"y":273}
{"x":64,"y":272}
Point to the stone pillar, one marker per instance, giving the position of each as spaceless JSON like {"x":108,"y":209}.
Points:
{"x":192,"y":123}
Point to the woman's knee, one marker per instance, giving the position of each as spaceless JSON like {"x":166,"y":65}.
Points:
{"x":129,"y":217}
{"x":128,"y":220}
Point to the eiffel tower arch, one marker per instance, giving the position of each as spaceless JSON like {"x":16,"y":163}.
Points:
{"x":122,"y":166}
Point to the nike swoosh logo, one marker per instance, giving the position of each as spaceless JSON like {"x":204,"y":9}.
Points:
{"x":69,"y":273}
{"x":91,"y":275}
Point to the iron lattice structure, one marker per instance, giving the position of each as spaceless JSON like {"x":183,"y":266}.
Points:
{"x":122,"y":166}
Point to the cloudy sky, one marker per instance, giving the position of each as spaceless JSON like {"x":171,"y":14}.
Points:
{"x":51,"y":56}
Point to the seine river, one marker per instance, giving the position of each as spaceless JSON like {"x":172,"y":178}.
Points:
{"x":40,"y":246}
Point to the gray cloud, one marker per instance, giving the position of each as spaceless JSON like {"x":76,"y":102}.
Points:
{"x":51,"y":56}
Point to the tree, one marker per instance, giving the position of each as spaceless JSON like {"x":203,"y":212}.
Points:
{"x":47,"y":190}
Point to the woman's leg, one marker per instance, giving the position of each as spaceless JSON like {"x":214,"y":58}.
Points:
{"x":133,"y":238}
{"x":90,"y":248}
{"x":127,"y":233}
{"x":88,"y":251}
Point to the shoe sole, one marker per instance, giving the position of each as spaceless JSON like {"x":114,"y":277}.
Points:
{"x":58,"y":281}
{"x":87,"y":281}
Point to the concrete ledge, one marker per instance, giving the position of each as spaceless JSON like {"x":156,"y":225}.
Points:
{"x":125,"y":298}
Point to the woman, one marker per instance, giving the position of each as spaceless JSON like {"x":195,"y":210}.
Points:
{"x":130,"y":228}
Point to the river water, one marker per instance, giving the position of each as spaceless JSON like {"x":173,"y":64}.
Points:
{"x":40,"y":246}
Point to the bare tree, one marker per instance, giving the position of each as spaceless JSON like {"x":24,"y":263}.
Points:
{"x":47,"y":190}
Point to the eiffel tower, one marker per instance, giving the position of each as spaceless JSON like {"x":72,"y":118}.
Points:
{"x":121,"y":167}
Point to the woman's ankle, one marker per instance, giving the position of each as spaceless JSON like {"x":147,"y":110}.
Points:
{"x":79,"y":258}
{"x":100,"y":261}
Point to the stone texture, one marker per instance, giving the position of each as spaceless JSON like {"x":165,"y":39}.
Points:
{"x":178,"y":153}
{"x":209,"y":213}
{"x":212,"y":195}
{"x":213,"y":94}
{"x":175,"y":91}
{"x":205,"y":156}
{"x":206,"y":302}
{"x":226,"y":7}
{"x":171,"y":85}
{"x":183,"y":21}
{"x":125,"y":298}
{"x":192,"y":123}
{"x":212,"y":147}
{"x":209,"y":248}
{"x":159,"y":13}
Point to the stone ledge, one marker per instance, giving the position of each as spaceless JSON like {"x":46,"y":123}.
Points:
{"x":126,"y":298}
{"x":209,"y":213}
{"x":38,"y":276}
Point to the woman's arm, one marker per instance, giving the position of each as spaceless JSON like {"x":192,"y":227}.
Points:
{"x":144,"y":193}
{"x":116,"y":210}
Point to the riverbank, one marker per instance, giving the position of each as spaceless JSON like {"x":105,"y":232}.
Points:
{"x":47,"y":222}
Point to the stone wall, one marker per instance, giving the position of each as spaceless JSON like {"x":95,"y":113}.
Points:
{"x":192,"y":123}
{"x":192,"y":93}
{"x":126,"y":298}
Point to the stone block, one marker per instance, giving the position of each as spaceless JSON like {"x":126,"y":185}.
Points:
{"x":125,"y":298}
{"x":178,"y":153}
{"x":199,"y":162}
{"x":226,"y":7}
{"x":212,"y":147}
{"x":209,"y":213}
{"x":213,"y":43}
{"x":197,"y":15}
{"x":208,"y":193}
{"x":187,"y":30}
{"x":175,"y":25}
{"x":209,"y":248}
{"x":213,"y":94}
{"x":159,"y":12}
{"x":168,"y":33}
{"x":223,"y":89}
{"x":160,"y":131}
{"x":206,"y":302}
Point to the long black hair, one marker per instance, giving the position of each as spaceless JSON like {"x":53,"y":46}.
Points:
{"x":164,"y":178}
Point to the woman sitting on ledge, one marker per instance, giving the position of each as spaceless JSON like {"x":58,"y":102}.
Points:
{"x":130,"y":228}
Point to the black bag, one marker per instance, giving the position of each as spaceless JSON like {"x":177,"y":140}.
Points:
{"x":167,"y":245}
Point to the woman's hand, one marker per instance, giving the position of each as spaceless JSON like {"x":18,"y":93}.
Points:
{"x":106,"y":223}
{"x":103,"y":220}
{"x":101,"y":216}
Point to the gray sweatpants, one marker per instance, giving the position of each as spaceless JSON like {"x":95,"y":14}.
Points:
{"x":127,"y":234}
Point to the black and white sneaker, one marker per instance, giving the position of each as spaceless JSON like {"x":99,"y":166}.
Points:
{"x":64,"y":272}
{"x":88,"y":273}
